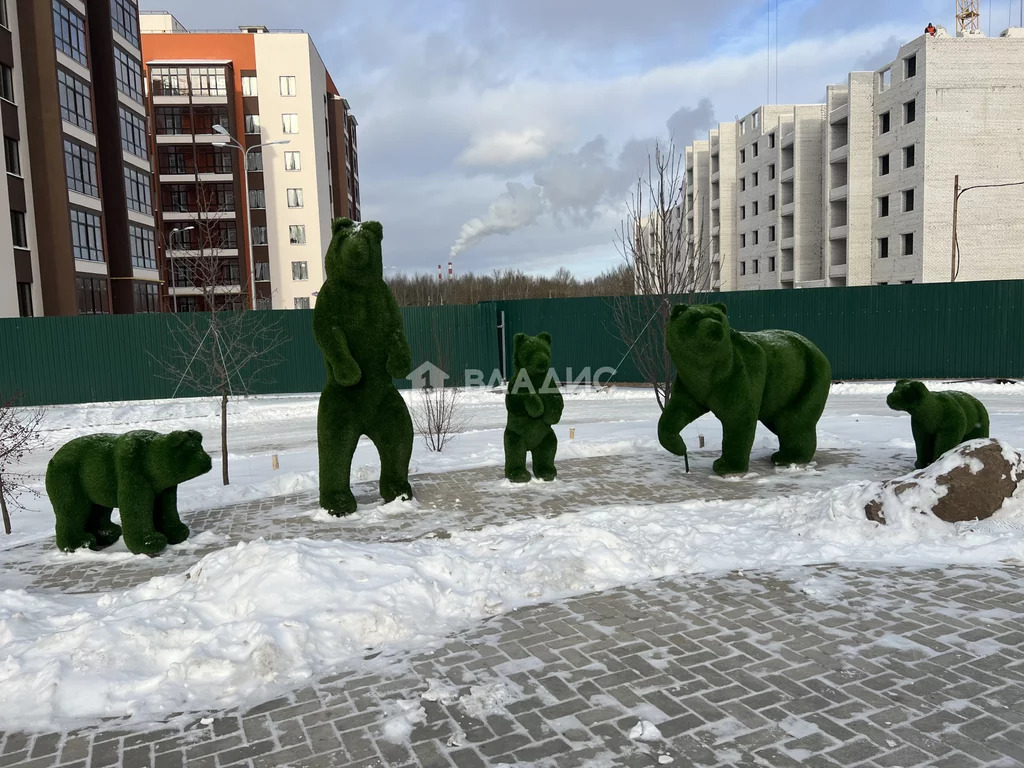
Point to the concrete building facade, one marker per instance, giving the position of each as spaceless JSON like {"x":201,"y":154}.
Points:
{"x":81,"y":233}
{"x":271,"y":224}
{"x":859,"y":190}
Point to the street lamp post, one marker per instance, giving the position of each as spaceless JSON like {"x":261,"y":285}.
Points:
{"x":236,"y":144}
{"x":170,"y":240}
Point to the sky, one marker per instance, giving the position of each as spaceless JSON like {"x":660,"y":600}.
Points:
{"x":510,"y":132}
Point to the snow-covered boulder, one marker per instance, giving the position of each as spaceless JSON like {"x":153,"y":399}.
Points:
{"x":970,"y":482}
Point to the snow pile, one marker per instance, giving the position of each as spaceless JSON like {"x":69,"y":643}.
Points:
{"x":261,"y":617}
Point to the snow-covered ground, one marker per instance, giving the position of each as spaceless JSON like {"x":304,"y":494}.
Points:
{"x":256,"y":618}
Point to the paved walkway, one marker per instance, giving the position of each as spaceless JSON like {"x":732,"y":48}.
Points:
{"x":823,"y":666}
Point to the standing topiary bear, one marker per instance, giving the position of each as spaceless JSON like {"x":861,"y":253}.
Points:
{"x":137,"y":472}
{"x":776,"y":377}
{"x":534,"y":405}
{"x":358,"y":328}
{"x":940,"y":421}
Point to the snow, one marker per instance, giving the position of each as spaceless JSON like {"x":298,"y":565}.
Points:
{"x":645,"y":730}
{"x":252,"y":620}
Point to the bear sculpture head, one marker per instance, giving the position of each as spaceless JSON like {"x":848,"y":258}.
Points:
{"x":906,"y":395}
{"x":354,"y":255}
{"x":700,"y":332}
{"x":532,"y":353}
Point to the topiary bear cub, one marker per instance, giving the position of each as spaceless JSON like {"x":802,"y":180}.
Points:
{"x":776,"y":377}
{"x":359,"y":329}
{"x":534,"y":405}
{"x":940,"y":421}
{"x":137,"y":472}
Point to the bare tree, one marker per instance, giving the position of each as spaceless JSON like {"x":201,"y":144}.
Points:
{"x":664,"y":250}
{"x":224,"y":349}
{"x":19,"y":433}
{"x":439,"y":417}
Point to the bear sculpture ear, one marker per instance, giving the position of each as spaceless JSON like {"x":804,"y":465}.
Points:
{"x":678,"y":310}
{"x":545,"y":337}
{"x":722,"y":307}
{"x":340,"y":224}
{"x":375,"y":227}
{"x":518,"y":339}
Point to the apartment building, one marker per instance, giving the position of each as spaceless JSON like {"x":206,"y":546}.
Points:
{"x":859,"y":190}
{"x":79,"y":186}
{"x":256,"y":153}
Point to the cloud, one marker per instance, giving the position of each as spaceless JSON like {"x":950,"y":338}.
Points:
{"x":506,"y":148}
{"x":518,"y":207}
{"x":689,"y":123}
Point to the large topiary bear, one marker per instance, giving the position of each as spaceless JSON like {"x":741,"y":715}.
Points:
{"x":358,"y":328}
{"x":776,"y":377}
{"x":940,"y":421}
{"x":137,"y":472}
{"x":534,"y":405}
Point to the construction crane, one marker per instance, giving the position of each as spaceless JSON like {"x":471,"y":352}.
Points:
{"x":968,"y":17}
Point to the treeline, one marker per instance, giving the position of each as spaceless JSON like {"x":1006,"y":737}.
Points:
{"x":507,"y":285}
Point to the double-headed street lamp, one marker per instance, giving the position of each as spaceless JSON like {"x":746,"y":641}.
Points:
{"x":170,"y":240}
{"x":231,"y":141}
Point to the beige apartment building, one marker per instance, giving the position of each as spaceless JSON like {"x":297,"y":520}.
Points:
{"x":860,"y":190}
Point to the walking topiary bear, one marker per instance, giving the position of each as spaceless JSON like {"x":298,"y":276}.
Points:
{"x":359,"y":329}
{"x":940,"y":421}
{"x":137,"y":472}
{"x":534,"y":405}
{"x":776,"y":377}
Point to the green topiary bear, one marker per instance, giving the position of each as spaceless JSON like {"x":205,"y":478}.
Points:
{"x":137,"y":472}
{"x":776,"y":377}
{"x":534,"y":405}
{"x":940,"y":421}
{"x":358,"y":328}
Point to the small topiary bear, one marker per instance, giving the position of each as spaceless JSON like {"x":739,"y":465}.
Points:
{"x":137,"y":472}
{"x":776,"y":377}
{"x":534,"y":405}
{"x":940,"y":421}
{"x":359,"y":329}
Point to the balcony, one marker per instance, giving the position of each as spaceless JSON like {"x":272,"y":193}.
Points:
{"x":788,"y":243}
{"x":839,"y":114}
{"x":191,"y":215}
{"x":839,"y":193}
{"x":839,"y":153}
{"x":788,"y":209}
{"x":788,"y":139}
{"x":716,"y":230}
{"x":841,"y":232}
{"x":838,"y":270}
{"x":788,"y":174}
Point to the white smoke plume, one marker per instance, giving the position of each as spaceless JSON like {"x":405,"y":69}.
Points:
{"x":518,"y":207}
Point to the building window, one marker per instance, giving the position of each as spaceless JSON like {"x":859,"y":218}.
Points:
{"x":743,"y":241}
{"x":125,"y":17}
{"x":771,"y":141}
{"x":756,"y":210}
{"x":883,"y":165}
{"x":885,"y":122}
{"x":169,"y":81}
{"x":170,"y":121}
{"x":771,"y":236}
{"x":128,"y":74}
{"x":908,"y":200}
{"x":210,"y":159}
{"x":910,"y":111}
{"x":909,"y":156}
{"x":208,"y":81}
{"x":771,"y":202}
{"x":133,"y":133}
{"x":883,"y":206}
{"x":302,"y":302}
{"x":138,"y":191}
{"x":92,"y":295}
{"x":287,"y":85}
{"x":257,"y":198}
{"x":6,"y":83}
{"x":743,"y":156}
{"x":174,"y":161}
{"x":908,"y":244}
{"x":80,"y":166}
{"x":19,"y":232}
{"x":290,"y":123}
{"x":249,"y":86}
{"x":254,"y":161}
{"x":5,"y":22}
{"x":252,"y":123}
{"x":743,"y":268}
{"x":295,"y":198}
{"x":884,"y":80}
{"x":75,"y":100}
{"x":910,"y":67}
{"x":24,"y":296}
{"x":86,"y":235}
{"x":143,"y":247}
{"x":883,"y":247}
{"x":69,"y":32}
{"x":262,"y":271}
{"x":771,"y":263}
{"x":753,"y":147}
{"x":12,"y":155}
{"x":743,"y":212}
{"x":297,"y":234}
{"x":757,"y":266}
{"x":147,"y":297}
{"x":300,"y":270}
{"x":771,"y":171}
{"x":208,"y":115}
{"x":757,"y":238}
{"x":292,"y":161}
{"x":756,"y":179}
{"x":259,"y":235}
{"x":743,"y":184}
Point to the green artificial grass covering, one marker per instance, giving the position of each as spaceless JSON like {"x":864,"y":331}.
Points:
{"x":358,"y":328}
{"x":776,"y":377}
{"x":534,"y":404}
{"x":940,"y":421}
{"x":137,"y":472}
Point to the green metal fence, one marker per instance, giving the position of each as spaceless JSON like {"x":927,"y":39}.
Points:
{"x":968,"y":330}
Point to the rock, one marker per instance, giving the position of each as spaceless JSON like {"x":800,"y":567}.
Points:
{"x":970,"y":482}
